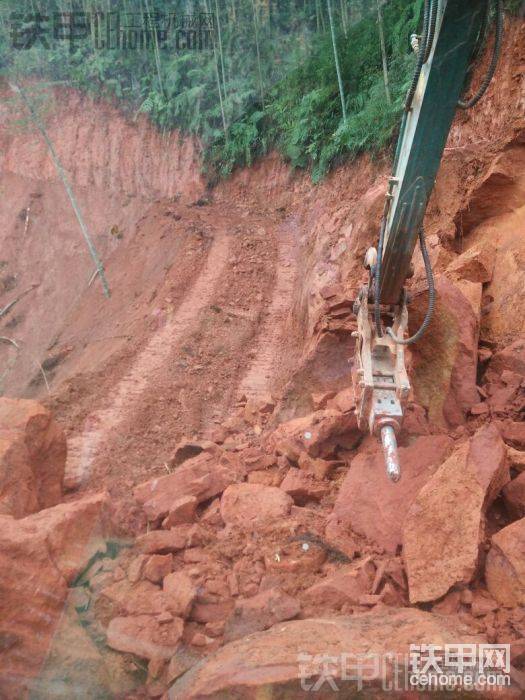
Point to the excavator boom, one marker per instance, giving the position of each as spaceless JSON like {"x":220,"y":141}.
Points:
{"x":426,"y":126}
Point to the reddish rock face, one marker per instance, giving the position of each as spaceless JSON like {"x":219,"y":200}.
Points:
{"x":260,"y":612}
{"x":250,"y":504}
{"x":39,"y":556}
{"x":505,"y":565}
{"x":145,"y":636}
{"x":270,"y":662}
{"x":32,"y":458}
{"x":446,"y":358}
{"x":203,"y":477}
{"x":444,"y":525}
{"x":371,"y":505}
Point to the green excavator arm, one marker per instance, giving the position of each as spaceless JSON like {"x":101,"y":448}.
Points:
{"x":424,"y":134}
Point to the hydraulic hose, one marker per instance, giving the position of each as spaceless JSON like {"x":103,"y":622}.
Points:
{"x":425,"y":46}
{"x":496,"y":52}
{"x":429,"y":40}
{"x":420,"y":57}
{"x":431,"y":297}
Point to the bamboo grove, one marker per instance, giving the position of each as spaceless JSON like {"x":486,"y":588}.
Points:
{"x":320,"y":80}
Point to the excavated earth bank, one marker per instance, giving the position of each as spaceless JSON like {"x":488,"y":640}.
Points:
{"x":186,"y":504}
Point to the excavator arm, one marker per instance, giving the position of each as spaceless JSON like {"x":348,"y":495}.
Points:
{"x":451,"y":32}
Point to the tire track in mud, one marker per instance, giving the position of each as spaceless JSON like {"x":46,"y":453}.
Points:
{"x":275,"y":340}
{"x":86,"y":449}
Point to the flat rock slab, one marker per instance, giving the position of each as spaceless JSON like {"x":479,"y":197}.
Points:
{"x":444,"y":527}
{"x":371,"y":505}
{"x":268,"y":664}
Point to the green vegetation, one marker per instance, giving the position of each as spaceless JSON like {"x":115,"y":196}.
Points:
{"x":267,"y":80}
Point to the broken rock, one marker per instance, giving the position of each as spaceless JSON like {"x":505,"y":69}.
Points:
{"x":260,"y":612}
{"x":145,"y":636}
{"x":124,"y":598}
{"x":203,"y":477}
{"x":444,"y":525}
{"x":163,"y":541}
{"x":505,"y":565}
{"x":251,"y":504}
{"x":180,"y":593}
{"x":516,"y":458}
{"x":303,"y":487}
{"x":181,"y":511}
{"x":186,"y":449}
{"x":347,"y":586}
{"x":475,"y":264}
{"x":514,"y":433}
{"x":157,"y":567}
{"x":319,"y":434}
{"x":510,"y":358}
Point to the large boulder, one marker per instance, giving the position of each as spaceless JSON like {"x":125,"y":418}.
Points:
{"x":505,"y":565}
{"x":32,"y":458}
{"x":444,"y":526}
{"x":445,"y":359}
{"x":287,"y":660}
{"x":371,"y":505}
{"x":39,"y":556}
{"x":203,"y":477}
